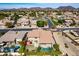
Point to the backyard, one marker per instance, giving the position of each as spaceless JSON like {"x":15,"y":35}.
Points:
{"x":53,"y":51}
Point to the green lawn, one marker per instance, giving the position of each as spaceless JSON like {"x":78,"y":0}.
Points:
{"x":41,"y":23}
{"x":57,"y":22}
{"x":55,"y":53}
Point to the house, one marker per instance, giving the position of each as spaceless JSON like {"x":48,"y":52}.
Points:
{"x":40,"y":38}
{"x":68,"y":22}
{"x":12,"y":36}
{"x":23,"y":22}
{"x":68,"y":13}
{"x":33,"y":23}
{"x":8,"y":37}
{"x":2,"y":24}
{"x":6,"y":19}
{"x":20,"y":35}
{"x":76,"y":21}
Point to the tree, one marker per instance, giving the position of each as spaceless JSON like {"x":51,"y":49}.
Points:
{"x":2,"y":17}
{"x":38,"y":49}
{"x":32,"y":14}
{"x":61,"y":21}
{"x":15,"y":17}
{"x":59,"y":13}
{"x":56,"y":46}
{"x":9,"y":25}
{"x":22,"y":48}
{"x":72,"y":24}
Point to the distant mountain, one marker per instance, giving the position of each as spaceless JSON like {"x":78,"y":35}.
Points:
{"x":66,"y":8}
{"x":39,"y":8}
{"x":47,"y":8}
{"x":77,"y":8}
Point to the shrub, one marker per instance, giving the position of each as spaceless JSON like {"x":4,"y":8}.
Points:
{"x":2,"y":17}
{"x":9,"y":25}
{"x":55,"y":52}
{"x":38,"y":49}
{"x":56,"y":46}
{"x":61,"y":21}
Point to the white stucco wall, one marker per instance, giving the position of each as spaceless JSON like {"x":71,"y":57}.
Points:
{"x":39,"y":44}
{"x":45,"y":45}
{"x":18,"y":39}
{"x":36,"y":44}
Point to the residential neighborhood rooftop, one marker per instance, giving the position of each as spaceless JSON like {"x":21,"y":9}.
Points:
{"x":21,"y":34}
{"x":43,"y":35}
{"x":9,"y":36}
{"x":12,"y":35}
{"x":23,"y":19}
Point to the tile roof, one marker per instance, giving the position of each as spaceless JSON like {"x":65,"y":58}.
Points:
{"x":43,"y":35}
{"x":12,"y":35}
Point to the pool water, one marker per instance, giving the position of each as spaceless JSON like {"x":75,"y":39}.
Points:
{"x":15,"y":49}
{"x":7,"y":49}
{"x":45,"y":49}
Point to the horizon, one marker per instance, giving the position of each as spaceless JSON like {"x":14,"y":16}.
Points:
{"x":41,"y":5}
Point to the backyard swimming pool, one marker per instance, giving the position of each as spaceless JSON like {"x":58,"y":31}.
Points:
{"x":45,"y":49}
{"x":8,"y":49}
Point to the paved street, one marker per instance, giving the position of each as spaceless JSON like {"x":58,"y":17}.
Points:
{"x":60,"y":40}
{"x":72,"y":47}
{"x":49,"y":22}
{"x":29,"y":29}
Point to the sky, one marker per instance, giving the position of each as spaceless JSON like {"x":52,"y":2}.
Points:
{"x":29,"y":5}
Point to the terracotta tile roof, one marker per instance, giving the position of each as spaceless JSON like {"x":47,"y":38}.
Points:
{"x":43,"y":35}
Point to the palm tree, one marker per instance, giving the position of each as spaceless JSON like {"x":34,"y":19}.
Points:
{"x":22,"y":47}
